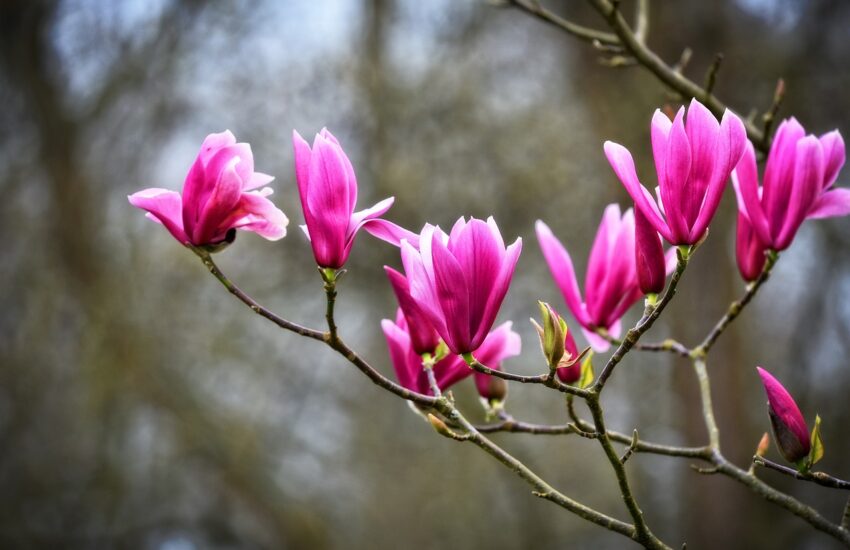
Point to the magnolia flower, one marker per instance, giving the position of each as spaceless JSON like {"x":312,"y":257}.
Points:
{"x":611,"y":283}
{"x":749,"y":250}
{"x":423,"y":337}
{"x":220,"y":195}
{"x":649,"y":256}
{"x":459,"y":280}
{"x":789,"y":426}
{"x":328,"y":190}
{"x":407,"y":363}
{"x":798,"y":178}
{"x":693,"y":160}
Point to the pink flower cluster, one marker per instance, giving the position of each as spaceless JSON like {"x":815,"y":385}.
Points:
{"x":454,"y":282}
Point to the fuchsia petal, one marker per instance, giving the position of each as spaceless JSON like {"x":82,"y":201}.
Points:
{"x":499,"y":345}
{"x":390,"y":232}
{"x":599,"y":261}
{"x":730,"y":147}
{"x":221,"y":203}
{"x":398,"y":343}
{"x":621,"y":277}
{"x":163,"y":206}
{"x":674,"y":191}
{"x":421,"y":286}
{"x":327,"y":201}
{"x":303,"y":154}
{"x":833,"y":155}
{"x":499,"y":289}
{"x":704,"y":136}
{"x":749,"y":250}
{"x":451,"y":370}
{"x":786,"y":413}
{"x":259,"y":215}
{"x":745,"y":179}
{"x":806,"y":185}
{"x":571,"y":374}
{"x":659,"y":132}
{"x":649,"y":256}
{"x":561,"y":266}
{"x":197,"y":186}
{"x":422,"y":334}
{"x":598,"y":343}
{"x":623,"y":164}
{"x":453,"y":293}
{"x":835,"y":202}
{"x":779,"y":174}
{"x":358,"y":219}
{"x":256,"y":180}
{"x":350,"y":177}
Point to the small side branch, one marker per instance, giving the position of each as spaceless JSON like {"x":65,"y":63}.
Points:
{"x":821,"y":478}
{"x":592,"y":36}
{"x":543,"y":379}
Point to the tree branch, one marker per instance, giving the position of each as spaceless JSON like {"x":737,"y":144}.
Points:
{"x":821,"y":478}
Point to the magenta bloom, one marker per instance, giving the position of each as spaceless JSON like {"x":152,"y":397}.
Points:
{"x":611,"y":284}
{"x":499,"y":345}
{"x":220,"y":195}
{"x":423,"y":337}
{"x":798,"y":178}
{"x":328,"y":190}
{"x":749,"y":250}
{"x":459,"y":280}
{"x":650,"y":262}
{"x":693,"y":160}
{"x":789,"y":427}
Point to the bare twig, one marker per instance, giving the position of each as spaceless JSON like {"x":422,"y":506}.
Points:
{"x":543,"y":379}
{"x":821,"y":478}
{"x":586,"y":34}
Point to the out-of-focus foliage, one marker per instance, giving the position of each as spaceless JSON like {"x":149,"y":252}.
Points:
{"x":141,"y":406}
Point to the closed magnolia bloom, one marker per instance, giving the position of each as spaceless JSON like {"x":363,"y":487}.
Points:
{"x":650,"y":262}
{"x":557,"y":343}
{"x":569,"y":374}
{"x":749,"y":250}
{"x":459,"y":280}
{"x":499,"y":345}
{"x":221,"y":193}
{"x":798,"y":183}
{"x":422,"y":334}
{"x":694,"y":157}
{"x":789,"y":426}
{"x":328,"y":189}
{"x":611,"y":283}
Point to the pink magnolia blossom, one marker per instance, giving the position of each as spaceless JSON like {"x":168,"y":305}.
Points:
{"x":798,"y":184}
{"x":328,"y":190}
{"x":693,"y":159}
{"x":749,"y":250}
{"x":499,"y":345}
{"x":221,"y":194}
{"x":789,"y":426}
{"x":649,"y":256}
{"x":459,"y":280}
{"x":423,"y":336}
{"x":611,"y":283}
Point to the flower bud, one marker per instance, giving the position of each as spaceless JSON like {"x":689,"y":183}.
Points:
{"x":789,"y":427}
{"x":551,"y":334}
{"x":491,"y":388}
{"x":649,"y":256}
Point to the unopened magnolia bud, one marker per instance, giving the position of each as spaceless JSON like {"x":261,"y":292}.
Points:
{"x":440,"y":426}
{"x":491,"y":388}
{"x":789,"y":427}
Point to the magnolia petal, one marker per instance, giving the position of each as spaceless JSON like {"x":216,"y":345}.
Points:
{"x":499,"y":290}
{"x":779,"y":174}
{"x":390,"y":232}
{"x":675,"y":188}
{"x":808,"y":175}
{"x":452,"y":291}
{"x":746,"y":184}
{"x":421,"y":286}
{"x":164,"y":206}
{"x":561,"y":267}
{"x":833,"y":155}
{"x":835,"y":202}
{"x":599,"y":260}
{"x":423,"y":337}
{"x":598,"y":343}
{"x":221,"y":203}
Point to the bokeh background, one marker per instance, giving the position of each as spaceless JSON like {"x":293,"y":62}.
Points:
{"x":143,"y":407}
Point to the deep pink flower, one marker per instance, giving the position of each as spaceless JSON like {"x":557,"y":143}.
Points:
{"x":798,"y":178}
{"x":220,"y":194}
{"x":328,"y":190}
{"x":571,"y":374}
{"x":789,"y":427}
{"x":459,"y":280}
{"x":693,"y":160}
{"x":650,"y":262}
{"x":749,"y":250}
{"x":423,"y":336}
{"x":611,"y":284}
{"x":407,"y":363}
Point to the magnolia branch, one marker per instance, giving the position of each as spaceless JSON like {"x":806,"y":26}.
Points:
{"x":821,"y":478}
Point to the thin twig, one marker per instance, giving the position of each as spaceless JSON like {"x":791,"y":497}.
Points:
{"x":631,"y":448}
{"x":769,"y":117}
{"x":821,"y":478}
{"x":543,"y":379}
{"x":582,"y":33}
{"x":711,"y":75}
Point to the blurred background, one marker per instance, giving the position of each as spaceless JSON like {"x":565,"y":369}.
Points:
{"x":143,"y":407}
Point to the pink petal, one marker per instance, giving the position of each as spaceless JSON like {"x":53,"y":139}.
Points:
{"x":500,"y":344}
{"x":221,"y":203}
{"x":623,"y":164}
{"x":257,"y":180}
{"x":499,"y":290}
{"x":833,"y":155}
{"x":561,"y":266}
{"x":422,"y":334}
{"x":746,"y":183}
{"x":302,"y":170}
{"x":621,"y":277}
{"x":730,"y":147}
{"x":358,"y":219}
{"x":649,"y":256}
{"x":749,"y":251}
{"x":808,"y":175}
{"x":421,"y":286}
{"x":260,"y":216}
{"x":703,"y":135}
{"x":599,"y":344}
{"x":349,"y":169}
{"x":405,"y":363}
{"x":835,"y":202}
{"x":452,"y":290}
{"x":391,"y":233}
{"x":659,"y":131}
{"x":451,"y":370}
{"x":782,"y":405}
{"x":165,"y":207}
{"x":600,"y":257}
{"x":198,"y":185}
{"x":327,"y":201}
{"x":675,"y":188}
{"x":779,"y":174}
